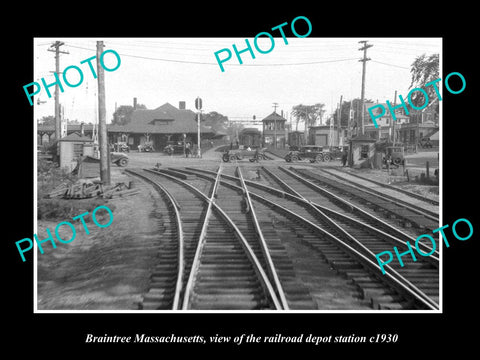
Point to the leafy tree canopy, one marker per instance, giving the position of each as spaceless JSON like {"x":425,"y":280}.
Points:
{"x":309,"y":114}
{"x":424,"y":70}
{"x":123,"y":114}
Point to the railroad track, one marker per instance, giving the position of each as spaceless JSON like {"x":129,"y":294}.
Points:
{"x":350,"y":252}
{"x":215,"y":268}
{"x":409,"y":214}
{"x":383,"y":185}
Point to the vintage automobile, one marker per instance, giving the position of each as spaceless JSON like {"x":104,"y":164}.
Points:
{"x":173,"y":148}
{"x":146,"y":147}
{"x":121,"y":146}
{"x":425,"y":143}
{"x":118,"y":158}
{"x":313,"y":153}
{"x":239,"y":154}
{"x":394,"y":155}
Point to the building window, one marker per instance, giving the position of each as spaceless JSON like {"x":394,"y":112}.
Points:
{"x":364,"y":151}
{"x":412,"y":136}
{"x":77,"y":150}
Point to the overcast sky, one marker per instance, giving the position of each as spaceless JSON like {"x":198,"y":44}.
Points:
{"x":160,"y":70}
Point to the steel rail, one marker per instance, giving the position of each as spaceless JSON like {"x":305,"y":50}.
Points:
{"x":178,"y":221}
{"x":388,"y":186}
{"x":263,"y":244}
{"x":352,"y":238}
{"x":424,"y":212}
{"x":353,"y":207}
{"x":201,"y":242}
{"x":264,"y":281}
{"x":298,"y":199}
{"x":405,"y":286}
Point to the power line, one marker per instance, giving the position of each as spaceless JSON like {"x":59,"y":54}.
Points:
{"x":208,"y":63}
{"x":401,"y":67}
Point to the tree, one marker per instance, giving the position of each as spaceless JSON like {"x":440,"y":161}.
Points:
{"x":309,"y":114}
{"x":123,"y":114}
{"x":424,"y":70}
{"x":47,"y":120}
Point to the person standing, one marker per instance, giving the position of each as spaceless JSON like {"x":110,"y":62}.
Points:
{"x":344,"y":157}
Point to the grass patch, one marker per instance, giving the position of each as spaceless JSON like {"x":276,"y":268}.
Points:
{"x":62,"y":210}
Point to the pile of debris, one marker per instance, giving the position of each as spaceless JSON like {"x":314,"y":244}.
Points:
{"x":84,"y":188}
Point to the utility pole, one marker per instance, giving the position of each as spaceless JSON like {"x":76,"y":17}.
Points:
{"x":102,"y":123}
{"x":55,"y":47}
{"x":364,"y":60}
{"x":393,"y":124}
{"x":275,"y":105}
{"x":339,"y":121}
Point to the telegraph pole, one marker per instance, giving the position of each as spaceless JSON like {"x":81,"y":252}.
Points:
{"x":393,"y":124}
{"x":339,"y":121}
{"x":102,"y":122}
{"x":364,"y":60}
{"x":55,"y":47}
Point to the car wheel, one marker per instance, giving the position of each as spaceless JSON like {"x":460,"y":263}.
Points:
{"x":326,"y":157}
{"x":319,"y":158}
{"x":397,"y":161}
{"x":122,"y":162}
{"x":293,"y":158}
{"x":225,"y":158}
{"x":232,"y":158}
{"x":288,"y":159}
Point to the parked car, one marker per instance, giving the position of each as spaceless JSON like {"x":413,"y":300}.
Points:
{"x":394,"y":155}
{"x":425,"y":143}
{"x":118,"y":158}
{"x":121,"y":146}
{"x":146,"y":147}
{"x":238,"y":154}
{"x":174,"y":148}
{"x":313,"y":153}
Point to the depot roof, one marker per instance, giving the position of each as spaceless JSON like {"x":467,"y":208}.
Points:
{"x":274,"y":116}
{"x":165,"y":119}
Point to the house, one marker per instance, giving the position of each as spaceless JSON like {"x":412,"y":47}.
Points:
{"x":412,"y":133}
{"x":275,"y":132}
{"x":159,"y":126}
{"x":386,"y":124}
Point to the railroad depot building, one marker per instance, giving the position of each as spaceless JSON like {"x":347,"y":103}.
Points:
{"x":160,"y":126}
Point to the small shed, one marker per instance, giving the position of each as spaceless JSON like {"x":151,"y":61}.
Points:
{"x":72,"y":147}
{"x":323,"y":135}
{"x":362,"y":151}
